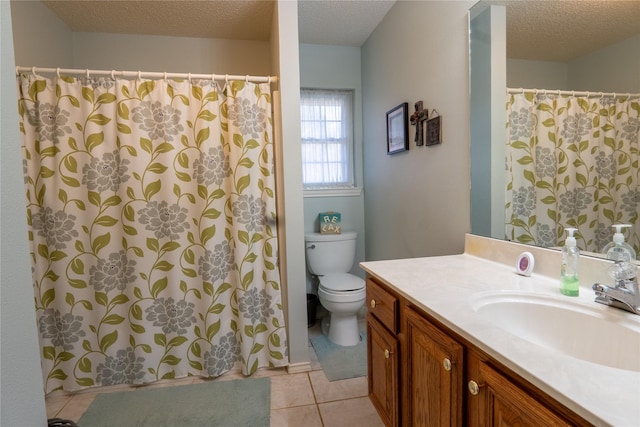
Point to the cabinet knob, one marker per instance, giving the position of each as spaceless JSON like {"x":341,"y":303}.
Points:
{"x":387,"y":354}
{"x":474,"y":388}
{"x":447,"y":364}
{"x":373,"y":303}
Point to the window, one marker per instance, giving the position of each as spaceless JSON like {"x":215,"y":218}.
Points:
{"x":327,"y":139}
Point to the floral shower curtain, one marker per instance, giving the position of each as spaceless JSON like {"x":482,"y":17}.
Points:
{"x":572,"y":161}
{"x":151,"y":214}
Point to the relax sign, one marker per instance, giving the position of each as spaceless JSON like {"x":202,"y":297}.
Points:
{"x":330,"y":223}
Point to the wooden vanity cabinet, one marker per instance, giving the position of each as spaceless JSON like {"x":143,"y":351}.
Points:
{"x":441,"y":379}
{"x":383,"y":353}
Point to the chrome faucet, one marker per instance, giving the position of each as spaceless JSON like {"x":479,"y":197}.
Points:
{"x":625,"y":294}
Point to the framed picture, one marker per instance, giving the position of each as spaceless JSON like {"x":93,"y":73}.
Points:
{"x":398,"y":129}
{"x":434,"y":133}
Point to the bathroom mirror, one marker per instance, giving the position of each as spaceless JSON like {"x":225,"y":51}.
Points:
{"x":505,"y":45}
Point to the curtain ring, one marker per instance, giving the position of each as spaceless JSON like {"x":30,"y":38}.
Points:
{"x":226,"y":78}
{"x":213,"y":77}
{"x":139,"y":75}
{"x":165,"y":76}
{"x":189,"y":76}
{"x":113,"y":74}
{"x":87,"y":73}
{"x":33,"y":70}
{"x":588,"y":94}
{"x":58,"y":72}
{"x":268,"y":79}
{"x":246,"y":78}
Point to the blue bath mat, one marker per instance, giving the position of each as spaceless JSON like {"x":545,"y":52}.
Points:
{"x":244,"y":402}
{"x":340,"y":363}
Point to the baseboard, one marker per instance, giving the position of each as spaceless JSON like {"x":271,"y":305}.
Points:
{"x":296,"y":368}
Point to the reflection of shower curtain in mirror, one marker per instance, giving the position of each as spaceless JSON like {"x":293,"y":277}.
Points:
{"x":572,"y":161}
{"x":151,"y":212}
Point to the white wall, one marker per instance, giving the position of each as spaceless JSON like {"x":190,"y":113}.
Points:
{"x":40,"y":38}
{"x":50,"y":43}
{"x":21,"y":386}
{"x":337,"y":67}
{"x":286,"y":60}
{"x":417,"y":202}
{"x":612,"y":69}
{"x":487,"y":132}
{"x":615,"y":68}
{"x":103,"y":51}
{"x":536,"y":74}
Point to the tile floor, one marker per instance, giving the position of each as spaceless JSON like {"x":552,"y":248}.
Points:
{"x":304,"y":399}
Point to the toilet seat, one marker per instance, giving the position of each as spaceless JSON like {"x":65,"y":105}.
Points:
{"x":341,"y":283}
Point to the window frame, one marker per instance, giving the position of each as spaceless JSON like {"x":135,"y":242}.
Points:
{"x":336,"y":190}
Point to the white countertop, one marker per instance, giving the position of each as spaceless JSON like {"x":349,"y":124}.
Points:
{"x":444,"y":286}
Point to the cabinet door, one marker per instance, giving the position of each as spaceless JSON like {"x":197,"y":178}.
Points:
{"x":434,"y":375}
{"x":383,"y":364}
{"x":502,"y":403}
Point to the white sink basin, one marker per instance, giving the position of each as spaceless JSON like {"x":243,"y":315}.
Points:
{"x":605,"y":337}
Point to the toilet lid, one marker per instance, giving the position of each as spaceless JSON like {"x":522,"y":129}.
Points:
{"x":342,"y":282}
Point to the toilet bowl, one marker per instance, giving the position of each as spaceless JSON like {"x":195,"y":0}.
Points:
{"x":343,"y":303}
{"x":329,"y":258}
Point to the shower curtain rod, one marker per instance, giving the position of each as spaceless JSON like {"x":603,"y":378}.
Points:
{"x":571,"y":92}
{"x":147,"y":74}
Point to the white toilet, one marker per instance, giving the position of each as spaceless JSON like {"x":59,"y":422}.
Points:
{"x":330,"y":257}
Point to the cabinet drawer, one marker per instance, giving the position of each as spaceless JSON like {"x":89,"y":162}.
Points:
{"x":383,"y":305}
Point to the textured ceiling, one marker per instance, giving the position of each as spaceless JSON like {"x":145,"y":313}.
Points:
{"x":567,"y":29}
{"x":551,"y":30}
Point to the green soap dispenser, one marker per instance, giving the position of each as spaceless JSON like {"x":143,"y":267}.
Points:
{"x":569,"y":284}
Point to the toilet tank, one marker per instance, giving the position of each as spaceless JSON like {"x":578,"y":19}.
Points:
{"x":330,"y":253}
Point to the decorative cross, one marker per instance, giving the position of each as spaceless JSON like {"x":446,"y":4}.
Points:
{"x":417,"y":119}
